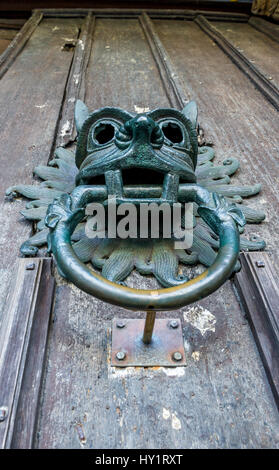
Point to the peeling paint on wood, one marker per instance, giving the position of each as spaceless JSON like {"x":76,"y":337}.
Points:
{"x":200,"y":318}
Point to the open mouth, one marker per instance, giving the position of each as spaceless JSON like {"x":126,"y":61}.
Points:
{"x":140,"y":176}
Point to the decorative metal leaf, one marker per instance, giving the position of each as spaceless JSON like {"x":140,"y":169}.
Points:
{"x":165,"y":262}
{"x":120,"y":263}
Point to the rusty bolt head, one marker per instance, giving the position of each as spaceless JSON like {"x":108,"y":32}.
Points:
{"x":177,"y":356}
{"x":120,"y":355}
{"x":121,"y":324}
{"x":173,"y":324}
{"x":260,"y":264}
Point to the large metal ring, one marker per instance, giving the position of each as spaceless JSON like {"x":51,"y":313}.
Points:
{"x":62,"y":221}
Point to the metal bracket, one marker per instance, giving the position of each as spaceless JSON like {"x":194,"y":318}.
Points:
{"x":131,"y":346}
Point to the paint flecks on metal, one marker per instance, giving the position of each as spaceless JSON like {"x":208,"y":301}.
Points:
{"x":200,"y":318}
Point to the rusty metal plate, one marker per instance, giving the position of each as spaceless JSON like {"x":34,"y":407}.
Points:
{"x":165,"y":349}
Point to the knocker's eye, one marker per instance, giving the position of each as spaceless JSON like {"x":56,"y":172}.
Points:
{"x":103,"y":133}
{"x":172,"y":132}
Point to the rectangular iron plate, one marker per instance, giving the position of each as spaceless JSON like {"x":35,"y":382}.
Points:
{"x":165,"y":342}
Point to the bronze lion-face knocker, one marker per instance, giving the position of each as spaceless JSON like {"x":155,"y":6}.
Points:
{"x":139,"y":159}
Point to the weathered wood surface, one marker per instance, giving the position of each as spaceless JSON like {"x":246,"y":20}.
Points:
{"x":234,"y":115}
{"x":18,"y":43}
{"x":259,"y":49}
{"x":23,"y":346}
{"x":257,"y":285}
{"x":175,"y":93}
{"x":75,"y":84}
{"x":266,"y":27}
{"x":222,"y":398}
{"x":7,"y":33}
{"x":31,"y":94}
{"x":4,"y":44}
{"x":121,"y":71}
{"x":263,"y":83}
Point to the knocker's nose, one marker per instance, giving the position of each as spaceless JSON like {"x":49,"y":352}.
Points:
{"x":145,"y":130}
{"x":141,"y":130}
{"x":144,"y":122}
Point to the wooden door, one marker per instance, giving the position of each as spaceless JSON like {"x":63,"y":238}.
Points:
{"x":58,"y":386}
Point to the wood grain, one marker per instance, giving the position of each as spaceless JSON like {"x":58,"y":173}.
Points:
{"x":31,"y":95}
{"x":220,"y":398}
{"x":234,"y":115}
{"x":22,"y":345}
{"x":269,"y":29}
{"x":257,"y":285}
{"x":264,"y":84}
{"x":18,"y":43}
{"x":121,"y":70}
{"x":75,"y":88}
{"x":175,"y":93}
{"x":259,"y":49}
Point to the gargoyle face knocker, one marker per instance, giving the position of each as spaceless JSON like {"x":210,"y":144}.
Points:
{"x":139,"y":159}
{"x":112,"y":141}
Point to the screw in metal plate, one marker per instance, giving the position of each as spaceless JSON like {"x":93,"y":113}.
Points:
{"x":120,"y":355}
{"x":121,"y":324}
{"x":260,"y":264}
{"x":173,"y":324}
{"x":177,"y":356}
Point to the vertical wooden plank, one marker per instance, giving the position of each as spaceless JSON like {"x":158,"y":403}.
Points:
{"x":121,"y":70}
{"x":236,"y":118}
{"x":266,"y":86}
{"x":174,"y":90}
{"x":258,"y":49}
{"x":219,"y":399}
{"x":75,"y":85}
{"x":18,"y":43}
{"x":269,"y":29}
{"x":22,"y":345}
{"x":31,"y":94}
{"x":257,"y":285}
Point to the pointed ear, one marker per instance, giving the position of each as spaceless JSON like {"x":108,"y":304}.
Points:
{"x":191,"y":112}
{"x":81,"y":114}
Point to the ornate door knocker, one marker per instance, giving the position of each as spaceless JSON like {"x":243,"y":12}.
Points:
{"x":138,"y":159}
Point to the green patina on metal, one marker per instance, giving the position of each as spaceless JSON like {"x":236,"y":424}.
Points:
{"x":161,"y":148}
